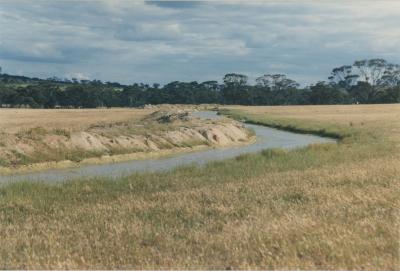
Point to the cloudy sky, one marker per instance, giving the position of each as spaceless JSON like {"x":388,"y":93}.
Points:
{"x":153,"y":41}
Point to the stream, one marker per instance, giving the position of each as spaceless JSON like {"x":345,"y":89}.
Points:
{"x":267,"y":138}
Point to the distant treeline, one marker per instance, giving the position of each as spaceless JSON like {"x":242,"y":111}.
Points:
{"x":365,"y":82}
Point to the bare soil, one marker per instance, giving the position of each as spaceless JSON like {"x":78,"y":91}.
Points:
{"x":125,"y":132}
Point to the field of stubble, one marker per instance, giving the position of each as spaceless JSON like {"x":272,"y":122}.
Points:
{"x":17,"y":120}
{"x":320,"y":207}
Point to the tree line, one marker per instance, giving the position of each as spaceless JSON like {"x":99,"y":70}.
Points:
{"x":365,"y":82}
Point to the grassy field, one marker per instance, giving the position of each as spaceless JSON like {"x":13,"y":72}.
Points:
{"x":320,"y":207}
{"x":15,"y":120}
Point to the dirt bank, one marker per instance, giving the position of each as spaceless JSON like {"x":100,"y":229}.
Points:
{"x":154,"y":133}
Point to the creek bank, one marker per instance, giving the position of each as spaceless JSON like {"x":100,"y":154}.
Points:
{"x":158,"y":134}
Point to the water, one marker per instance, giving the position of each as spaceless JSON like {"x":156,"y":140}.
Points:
{"x":267,"y":138}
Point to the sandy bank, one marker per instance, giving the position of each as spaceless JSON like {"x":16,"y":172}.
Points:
{"x":158,"y":134}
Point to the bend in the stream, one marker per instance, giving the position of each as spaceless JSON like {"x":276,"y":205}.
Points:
{"x":267,"y":138}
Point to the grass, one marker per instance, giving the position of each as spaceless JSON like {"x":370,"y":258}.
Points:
{"x":321,"y":207}
{"x":62,"y":132}
{"x":13,"y":120}
{"x":296,"y":126}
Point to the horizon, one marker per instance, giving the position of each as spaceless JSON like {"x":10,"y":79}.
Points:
{"x":165,"y":41}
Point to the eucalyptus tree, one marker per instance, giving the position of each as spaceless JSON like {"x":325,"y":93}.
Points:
{"x":343,"y":76}
{"x":235,"y":88}
{"x":211,"y":85}
{"x":235,"y":79}
{"x":371,"y":71}
{"x":391,"y":76}
{"x":323,"y":93}
{"x":375,"y":72}
{"x":276,"y":82}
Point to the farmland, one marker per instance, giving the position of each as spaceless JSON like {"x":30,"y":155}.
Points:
{"x":199,"y":135}
{"x":320,"y":207}
{"x":15,"y":120}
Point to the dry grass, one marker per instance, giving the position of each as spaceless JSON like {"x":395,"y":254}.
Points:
{"x":385,"y":117}
{"x":15,"y":120}
{"x":321,"y":207}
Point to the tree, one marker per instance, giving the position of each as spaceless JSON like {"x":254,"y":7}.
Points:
{"x":133,"y":96}
{"x":375,"y":72}
{"x":370,"y":71}
{"x":276,"y":82}
{"x":323,"y":93}
{"x":363,"y":93}
{"x":391,"y":76}
{"x":235,"y":79}
{"x":180,"y":92}
{"x":343,"y":76}
{"x":278,"y":89}
{"x":366,"y":81}
{"x":234,"y":88}
{"x":211,"y":85}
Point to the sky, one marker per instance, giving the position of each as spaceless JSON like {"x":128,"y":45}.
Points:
{"x":163,"y":41}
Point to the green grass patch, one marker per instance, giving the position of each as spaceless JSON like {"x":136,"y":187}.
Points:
{"x":62,"y":132}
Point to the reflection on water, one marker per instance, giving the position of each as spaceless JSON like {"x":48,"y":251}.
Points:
{"x":267,"y":138}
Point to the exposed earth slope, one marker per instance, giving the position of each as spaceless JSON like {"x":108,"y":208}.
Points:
{"x":159,"y":130}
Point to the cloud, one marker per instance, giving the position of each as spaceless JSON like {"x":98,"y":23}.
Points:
{"x":150,"y":31}
{"x":161,"y":41}
{"x":41,"y":52}
{"x":175,"y":4}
